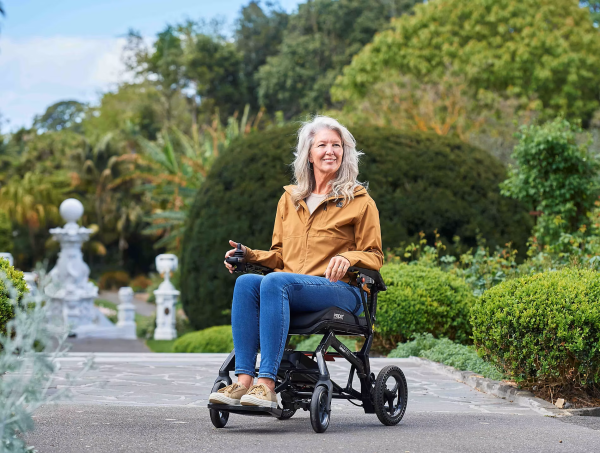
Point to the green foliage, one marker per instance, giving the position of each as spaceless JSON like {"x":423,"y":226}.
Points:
{"x":423,"y":300}
{"x":542,"y":328}
{"x":554,"y":176}
{"x":60,"y":116}
{"x":6,"y":230}
{"x":420,"y":182}
{"x":320,"y":39}
{"x":17,"y":284}
{"x":311,"y":343}
{"x":213,"y":339}
{"x":161,"y":345}
{"x":114,"y":280}
{"x":546,"y":53}
{"x":447,"y":352}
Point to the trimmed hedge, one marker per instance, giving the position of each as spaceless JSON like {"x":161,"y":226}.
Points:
{"x":449,"y":353}
{"x":420,"y":182}
{"x":18,"y":282}
{"x":213,"y":339}
{"x":422,"y":300}
{"x":544,"y":328}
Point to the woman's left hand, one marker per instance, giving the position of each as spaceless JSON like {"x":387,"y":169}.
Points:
{"x":338,"y":266}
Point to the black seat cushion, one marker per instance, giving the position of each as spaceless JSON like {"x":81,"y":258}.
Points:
{"x":333,"y":317}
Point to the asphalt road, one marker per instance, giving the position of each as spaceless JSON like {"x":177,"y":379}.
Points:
{"x":157,"y":403}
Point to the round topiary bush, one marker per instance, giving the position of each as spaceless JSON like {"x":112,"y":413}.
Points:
{"x":422,"y":300}
{"x":544,"y":328}
{"x":15,"y":277}
{"x":213,"y":339}
{"x":420,"y":182}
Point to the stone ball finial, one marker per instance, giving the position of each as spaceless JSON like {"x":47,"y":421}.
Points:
{"x":71,"y":210}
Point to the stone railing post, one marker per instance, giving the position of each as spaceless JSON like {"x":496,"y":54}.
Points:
{"x":126,"y":323}
{"x":166,"y":298}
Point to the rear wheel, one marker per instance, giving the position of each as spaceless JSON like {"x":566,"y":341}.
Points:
{"x":390,"y":395}
{"x":320,"y":409}
{"x":218,"y":418}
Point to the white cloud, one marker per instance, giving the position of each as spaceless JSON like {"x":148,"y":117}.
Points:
{"x":37,"y":72}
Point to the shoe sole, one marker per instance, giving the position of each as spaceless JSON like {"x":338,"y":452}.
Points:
{"x":219,"y":398}
{"x":253,"y":401}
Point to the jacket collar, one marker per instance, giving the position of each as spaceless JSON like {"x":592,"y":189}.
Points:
{"x":358,"y":191}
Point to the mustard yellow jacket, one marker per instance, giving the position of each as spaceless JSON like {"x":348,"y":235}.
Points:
{"x":304,"y":243}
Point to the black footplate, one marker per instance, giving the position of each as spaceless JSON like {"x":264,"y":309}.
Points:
{"x":247,"y":410}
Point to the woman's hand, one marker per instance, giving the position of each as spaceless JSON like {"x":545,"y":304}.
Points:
{"x":338,"y":266}
{"x":230,"y":253}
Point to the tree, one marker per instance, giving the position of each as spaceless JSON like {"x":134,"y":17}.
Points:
{"x":258,"y":35}
{"x":318,"y":42}
{"x":554,"y":176}
{"x":60,"y":116}
{"x":594,"y":8}
{"x":546,"y":53}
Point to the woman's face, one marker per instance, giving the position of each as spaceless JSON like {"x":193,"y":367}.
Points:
{"x":326,"y":152}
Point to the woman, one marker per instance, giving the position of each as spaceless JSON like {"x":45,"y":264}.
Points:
{"x":324,"y":224}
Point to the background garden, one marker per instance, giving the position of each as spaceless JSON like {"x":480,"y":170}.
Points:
{"x":480,"y":124}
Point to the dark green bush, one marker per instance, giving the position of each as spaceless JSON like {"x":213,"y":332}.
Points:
{"x":543,"y":328}
{"x":423,"y":300}
{"x":420,"y":182}
{"x":213,"y":339}
{"x":18,"y":282}
{"x":6,"y":237}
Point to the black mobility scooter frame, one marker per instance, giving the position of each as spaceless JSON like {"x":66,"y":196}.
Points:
{"x":303,"y":380}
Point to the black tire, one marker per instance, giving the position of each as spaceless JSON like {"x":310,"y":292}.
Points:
{"x":287,"y":414}
{"x":390,"y":401}
{"x":219,"y":419}
{"x":320,"y":409}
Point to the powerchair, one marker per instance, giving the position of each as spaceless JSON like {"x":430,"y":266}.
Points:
{"x":303,"y":381}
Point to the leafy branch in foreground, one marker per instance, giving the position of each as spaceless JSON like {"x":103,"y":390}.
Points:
{"x":28,"y":353}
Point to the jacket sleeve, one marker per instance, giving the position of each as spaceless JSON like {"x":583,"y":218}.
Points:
{"x":272,"y":258}
{"x":367,"y":236}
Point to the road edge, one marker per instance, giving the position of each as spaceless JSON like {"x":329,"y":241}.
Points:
{"x":505,"y":391}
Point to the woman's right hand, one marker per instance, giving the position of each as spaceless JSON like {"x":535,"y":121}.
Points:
{"x":230,"y":253}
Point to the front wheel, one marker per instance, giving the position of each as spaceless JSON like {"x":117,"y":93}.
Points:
{"x":219,"y":419}
{"x":390,"y":395}
{"x":320,"y":409}
{"x":286,"y":414}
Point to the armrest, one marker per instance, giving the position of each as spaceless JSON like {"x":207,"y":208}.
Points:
{"x":242,"y":267}
{"x":375,"y":276}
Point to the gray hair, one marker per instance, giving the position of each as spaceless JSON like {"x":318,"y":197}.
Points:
{"x":345,"y":181}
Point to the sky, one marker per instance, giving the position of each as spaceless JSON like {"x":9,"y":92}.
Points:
{"x":70,"y":49}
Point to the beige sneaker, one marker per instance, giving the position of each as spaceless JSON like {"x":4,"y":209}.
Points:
{"x":228,"y":395}
{"x":259,"y":395}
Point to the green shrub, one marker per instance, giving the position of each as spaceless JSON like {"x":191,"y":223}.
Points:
{"x":213,"y":339}
{"x":18,"y":282}
{"x":420,"y":182}
{"x":543,"y":328}
{"x":311,"y":343}
{"x":423,"y":300}
{"x":449,"y":353}
{"x":114,"y":280}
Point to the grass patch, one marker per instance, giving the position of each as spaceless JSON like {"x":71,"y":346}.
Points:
{"x":160,"y":345}
{"x":445,"y":351}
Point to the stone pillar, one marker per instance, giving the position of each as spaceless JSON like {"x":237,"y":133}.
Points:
{"x":126,"y":324}
{"x":7,"y":256}
{"x":71,"y":293}
{"x":30,"y":279}
{"x":166,"y":298}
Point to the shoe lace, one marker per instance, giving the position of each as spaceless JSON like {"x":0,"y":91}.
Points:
{"x":230,"y":388}
{"x":258,"y":389}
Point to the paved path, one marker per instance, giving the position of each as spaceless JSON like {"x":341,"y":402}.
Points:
{"x":142,"y":307}
{"x":156,"y":403}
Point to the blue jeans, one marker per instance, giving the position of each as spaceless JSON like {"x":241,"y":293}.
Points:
{"x":260,"y":316}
